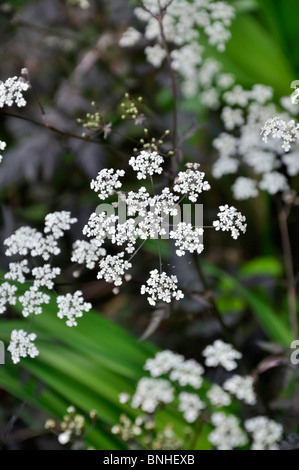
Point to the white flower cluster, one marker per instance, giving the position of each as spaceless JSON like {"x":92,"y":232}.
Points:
{"x":291,"y":161}
{"x":227,"y":434}
{"x":244,"y":188}
{"x":150,"y":393}
{"x":71,"y":307}
{"x":22,"y":345}
{"x":232,"y":118}
{"x":11,"y":92}
{"x":87,"y":253}
{"x":187,"y":238}
{"x":265,"y":432}
{"x":27,"y":240}
{"x":113,"y":268}
{"x":278,"y":128}
{"x":161,"y":287}
{"x":185,"y":372}
{"x":58,"y":222}
{"x":218,"y":397}
{"x":130,"y":37}
{"x":274,"y":182}
{"x":152,"y":211}
{"x":221,"y":354}
{"x":17,"y":271}
{"x":7,"y":295}
{"x":155,"y":55}
{"x":2,"y":147}
{"x":163,"y":363}
{"x":182,"y":22}
{"x":44,"y":276}
{"x":164,"y":203}
{"x":32,"y":301}
{"x":106,"y":182}
{"x":190,"y":405}
{"x":241,"y":388}
{"x":230,"y":220}
{"x":146,"y":217}
{"x":22,"y":241}
{"x":188,"y":372}
{"x":147,"y":164}
{"x":245,"y":113}
{"x":191,"y":182}
{"x":168,"y":367}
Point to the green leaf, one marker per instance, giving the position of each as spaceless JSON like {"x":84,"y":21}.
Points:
{"x":262,"y":266}
{"x":273,"y":325}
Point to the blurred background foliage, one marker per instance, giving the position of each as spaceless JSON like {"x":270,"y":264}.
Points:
{"x":73,"y":58}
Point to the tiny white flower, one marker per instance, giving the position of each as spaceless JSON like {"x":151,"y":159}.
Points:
{"x":221,"y":354}
{"x":22,"y":345}
{"x":71,"y":307}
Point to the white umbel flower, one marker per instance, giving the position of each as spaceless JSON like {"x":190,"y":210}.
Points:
{"x":163,"y":363}
{"x":32,"y":301}
{"x":278,"y":128}
{"x":227,"y":434}
{"x":44,"y":276}
{"x":232,"y":118}
{"x":261,"y":93}
{"x":17,"y":271}
{"x":147,"y":164}
{"x":218,"y":397}
{"x":22,"y":241}
{"x":113,"y":268}
{"x":22,"y":345}
{"x":221,"y":354}
{"x":188,"y":372}
{"x":291,"y":161}
{"x":152,"y":392}
{"x":225,"y":166}
{"x":155,"y":55}
{"x":241,"y":388}
{"x":46,"y":247}
{"x":107,"y":182}
{"x":187,"y":238}
{"x":274,"y":182}
{"x":11,"y":92}
{"x":87,"y":252}
{"x":7,"y":295}
{"x":230,"y":220}
{"x":27,"y":240}
{"x":261,"y":161}
{"x":130,"y":37}
{"x":226,"y":144}
{"x":58,"y":222}
{"x":191,"y":182}
{"x":191,"y":405}
{"x":237,"y":96}
{"x":265,"y":432}
{"x":244,"y":188}
{"x":161,"y":287}
{"x":71,"y":307}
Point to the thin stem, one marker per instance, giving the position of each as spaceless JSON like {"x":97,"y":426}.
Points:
{"x":159,"y":240}
{"x":209,"y":296}
{"x":197,"y":433}
{"x":289,"y":268}
{"x":160,"y":18}
{"x":173,"y":86}
{"x":51,"y":128}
